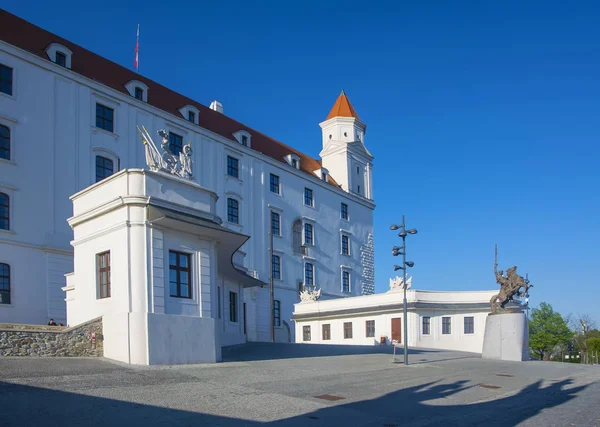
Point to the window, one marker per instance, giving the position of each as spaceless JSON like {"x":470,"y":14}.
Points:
{"x":345,"y":281}
{"x":219,"y":301}
{"x":104,"y":168}
{"x":4,"y":212}
{"x":295,"y":163}
{"x":347,"y":330}
{"x":344,"y":212}
{"x":139,"y":93}
{"x":104,"y":117}
{"x":4,"y":142}
{"x":426,"y":325}
{"x":370,"y":327}
{"x":175,"y":143}
{"x":308,"y":197}
{"x":308,"y":234}
{"x":103,"y":266}
{"x":297,"y":236}
{"x":4,"y":283}
{"x":345,"y":245}
{"x":233,"y":211}
{"x":358,"y":189}
{"x":244,"y":140}
{"x":275,"y":224}
{"x":192,"y":116}
{"x":305,"y":333}
{"x":180,"y":275}
{"x":308,"y":274}
{"x":232,"y":167}
{"x":446,"y":326}
{"x":358,"y":170}
{"x":61,"y":59}
{"x":326,"y":332}
{"x":276,"y":313}
{"x":274,"y":184}
{"x":6,"y":79}
{"x":233,"y":313}
{"x":276,"y":267}
{"x":469,"y":325}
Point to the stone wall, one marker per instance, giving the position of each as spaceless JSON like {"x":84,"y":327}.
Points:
{"x":52,"y":341}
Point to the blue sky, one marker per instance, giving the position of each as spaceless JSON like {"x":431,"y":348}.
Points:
{"x":483,"y":117}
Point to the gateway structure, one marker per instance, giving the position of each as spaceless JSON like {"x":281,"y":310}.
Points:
{"x":442,"y":320}
{"x":68,"y":120}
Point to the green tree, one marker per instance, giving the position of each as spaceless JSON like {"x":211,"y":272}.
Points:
{"x":547,"y":329}
{"x":593,"y":344}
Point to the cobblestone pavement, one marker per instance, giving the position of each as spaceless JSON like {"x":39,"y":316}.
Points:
{"x":300,"y":385}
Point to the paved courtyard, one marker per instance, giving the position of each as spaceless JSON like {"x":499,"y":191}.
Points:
{"x":272,"y":384}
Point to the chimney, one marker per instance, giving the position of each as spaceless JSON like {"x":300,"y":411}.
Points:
{"x":217,"y":106}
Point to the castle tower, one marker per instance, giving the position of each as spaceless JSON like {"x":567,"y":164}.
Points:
{"x":344,"y":153}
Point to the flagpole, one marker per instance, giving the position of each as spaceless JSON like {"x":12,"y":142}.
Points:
{"x":136,"y":62}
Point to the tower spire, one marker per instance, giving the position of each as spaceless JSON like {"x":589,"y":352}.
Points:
{"x":342,"y":108}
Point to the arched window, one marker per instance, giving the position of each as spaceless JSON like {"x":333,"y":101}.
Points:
{"x":297,"y":236}
{"x":4,"y":212}
{"x":104,"y":168}
{"x":4,"y":283}
{"x":4,"y":142}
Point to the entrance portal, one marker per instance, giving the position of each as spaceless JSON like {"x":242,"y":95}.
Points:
{"x":396,"y":329}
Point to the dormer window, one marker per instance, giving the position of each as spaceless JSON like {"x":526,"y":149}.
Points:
{"x":293,"y":160}
{"x":138,"y":90}
{"x":243,"y":137}
{"x":322,"y":173}
{"x":59,"y":54}
{"x":190,"y":113}
{"x":61,"y":59}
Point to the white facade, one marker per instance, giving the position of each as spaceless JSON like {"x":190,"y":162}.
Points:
{"x":55,"y":141}
{"x":464,"y":312}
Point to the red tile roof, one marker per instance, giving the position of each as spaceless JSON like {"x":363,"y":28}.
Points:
{"x":342,"y":108}
{"x":26,"y":36}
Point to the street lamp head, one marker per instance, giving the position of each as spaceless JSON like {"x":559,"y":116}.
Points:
{"x":397,"y":248}
{"x":412,"y":231}
{"x":394,"y":227}
{"x":410,"y":263}
{"x":402,"y":234}
{"x":397,"y":267}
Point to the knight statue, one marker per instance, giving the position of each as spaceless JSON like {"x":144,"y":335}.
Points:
{"x":510,"y":286}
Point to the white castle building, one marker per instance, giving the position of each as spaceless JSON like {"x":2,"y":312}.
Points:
{"x":68,"y":121}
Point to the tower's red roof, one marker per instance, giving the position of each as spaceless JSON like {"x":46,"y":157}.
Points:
{"x":342,"y":108}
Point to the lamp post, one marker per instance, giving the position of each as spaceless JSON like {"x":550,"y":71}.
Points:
{"x":401,"y":250}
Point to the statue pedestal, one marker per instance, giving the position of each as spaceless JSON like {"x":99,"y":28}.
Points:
{"x":506,"y":337}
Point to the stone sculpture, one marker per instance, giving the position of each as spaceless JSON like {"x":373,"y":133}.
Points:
{"x":167,"y":162}
{"x":308,"y":295}
{"x":397,"y":283}
{"x":510,"y":285}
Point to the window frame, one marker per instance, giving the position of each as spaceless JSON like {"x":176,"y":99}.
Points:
{"x":178,"y":270}
{"x":470,"y":323}
{"x":309,"y":195}
{"x":426,"y":321}
{"x":5,"y":278}
{"x":104,"y":159}
{"x":105,"y":119}
{"x":276,"y":313}
{"x":446,"y":325}
{"x":10,"y":81}
{"x":191,"y":116}
{"x":344,"y":212}
{"x":346,"y":274}
{"x":8,"y":140}
{"x":231,"y":168}
{"x":138,"y":91}
{"x":347,"y":330}
{"x":345,"y":238}
{"x":311,"y":234}
{"x":233,"y":212}
{"x":275,"y":185}
{"x":370,"y":328}
{"x":233,"y":307}
{"x":310,"y":270}
{"x":174,"y":143}
{"x":326,"y":336}
{"x":276,"y":231}
{"x":306,"y":333}
{"x":276,"y":271}
{"x":6,"y":197}
{"x":103,"y":290}
{"x":63,"y":56}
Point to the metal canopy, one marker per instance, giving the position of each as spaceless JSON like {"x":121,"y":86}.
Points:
{"x":228,"y":241}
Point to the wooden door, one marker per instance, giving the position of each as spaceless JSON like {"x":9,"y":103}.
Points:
{"x":396,"y":329}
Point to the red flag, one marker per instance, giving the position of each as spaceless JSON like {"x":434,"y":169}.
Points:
{"x":137,"y":48}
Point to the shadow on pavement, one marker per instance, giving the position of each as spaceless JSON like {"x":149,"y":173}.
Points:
{"x":25,"y":405}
